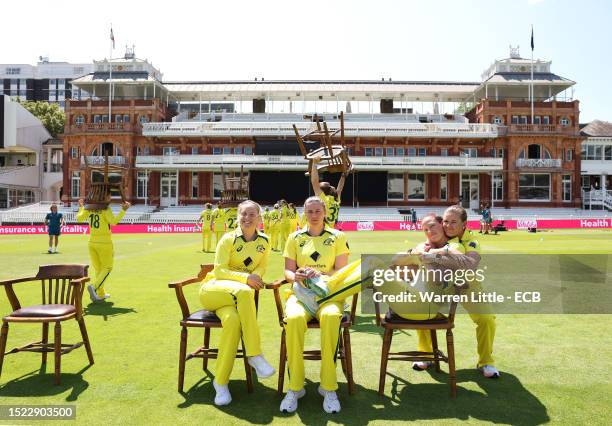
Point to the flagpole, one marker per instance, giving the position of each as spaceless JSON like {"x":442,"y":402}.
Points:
{"x":532,"y":95}
{"x":110,"y":76}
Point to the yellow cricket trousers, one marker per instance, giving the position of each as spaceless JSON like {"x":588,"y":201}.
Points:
{"x":275,"y":238}
{"x":234,"y":304}
{"x":206,"y":239}
{"x":482,"y":315}
{"x":329,"y":316}
{"x":101,"y":255}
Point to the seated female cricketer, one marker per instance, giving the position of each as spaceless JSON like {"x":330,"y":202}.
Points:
{"x":454,"y":224}
{"x":316,"y":262}
{"x":229,"y":291}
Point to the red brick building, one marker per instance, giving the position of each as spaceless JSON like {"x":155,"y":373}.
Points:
{"x":408,"y":140}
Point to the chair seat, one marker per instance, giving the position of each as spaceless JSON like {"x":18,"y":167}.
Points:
{"x":203,"y":316}
{"x":392,"y":317}
{"x":44,"y":311}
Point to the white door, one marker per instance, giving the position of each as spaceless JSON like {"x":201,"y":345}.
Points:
{"x":168,"y":189}
{"x":470,"y":191}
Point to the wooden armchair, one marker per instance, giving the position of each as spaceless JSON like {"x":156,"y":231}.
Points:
{"x":202,"y":319}
{"x":62,"y":290}
{"x":344,"y":339}
{"x":391,"y":321}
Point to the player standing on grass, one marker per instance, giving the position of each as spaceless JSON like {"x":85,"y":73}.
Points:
{"x":329,"y":194}
{"x":218,"y":222}
{"x":231,"y":218}
{"x":54,"y":221}
{"x":205,"y":220}
{"x":100,"y":245}
{"x":275,"y":228}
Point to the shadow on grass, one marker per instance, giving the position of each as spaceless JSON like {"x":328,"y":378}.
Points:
{"x":38,"y":383}
{"x":107,"y":309}
{"x":501,"y":401}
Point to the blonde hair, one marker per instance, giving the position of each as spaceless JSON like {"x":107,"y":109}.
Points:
{"x":249,"y":203}
{"x":314,"y":199}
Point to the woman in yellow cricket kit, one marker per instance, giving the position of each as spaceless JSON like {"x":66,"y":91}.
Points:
{"x":316,"y":253}
{"x":100,"y":245}
{"x":275,"y":228}
{"x":285,"y":222}
{"x":218,"y":223}
{"x":294,"y":218}
{"x":229,"y":290}
{"x":206,"y":219}
{"x":454,"y":223}
{"x":266,"y":221}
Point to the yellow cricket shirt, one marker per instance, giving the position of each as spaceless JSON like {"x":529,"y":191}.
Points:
{"x":231,"y":218}
{"x":100,"y":222}
{"x":219,"y":220}
{"x":316,"y":252}
{"x":332,"y":206}
{"x":207,"y":218}
{"x":236,"y":258}
{"x":469,"y":242}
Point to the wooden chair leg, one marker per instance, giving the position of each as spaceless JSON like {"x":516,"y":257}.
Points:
{"x":3,"y":338}
{"x":434,"y":345}
{"x":282,"y":363}
{"x":349,"y":361}
{"x":341,"y":353}
{"x":86,"y":340}
{"x":384,"y":358}
{"x":247,"y":369}
{"x":45,"y":340}
{"x":450,"y":347}
{"x":182,"y":356}
{"x":58,"y":351}
{"x":206,"y":343}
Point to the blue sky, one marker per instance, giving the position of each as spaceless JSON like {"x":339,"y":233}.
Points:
{"x":405,"y":40}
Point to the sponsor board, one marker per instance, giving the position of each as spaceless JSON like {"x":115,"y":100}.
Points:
{"x":186,"y":228}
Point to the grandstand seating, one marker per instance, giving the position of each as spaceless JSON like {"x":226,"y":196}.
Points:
{"x":35,"y":213}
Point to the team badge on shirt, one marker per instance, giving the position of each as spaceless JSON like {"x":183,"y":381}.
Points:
{"x":328,"y":241}
{"x":260,"y":248}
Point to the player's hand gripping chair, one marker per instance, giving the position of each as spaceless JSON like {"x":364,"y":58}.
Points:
{"x":62,"y":290}
{"x":344,"y":339}
{"x":207,"y":320}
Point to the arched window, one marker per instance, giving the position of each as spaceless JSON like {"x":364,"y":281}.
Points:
{"x":107,"y":149}
{"x":547,"y":155}
{"x":79,"y":120}
{"x":534,"y":151}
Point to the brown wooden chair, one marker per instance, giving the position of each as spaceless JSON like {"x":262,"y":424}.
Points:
{"x":207,"y":320}
{"x":62,"y":290}
{"x":391,"y":321}
{"x":344,"y":339}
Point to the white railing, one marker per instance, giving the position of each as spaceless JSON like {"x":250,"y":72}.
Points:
{"x":351,"y":129}
{"x":294,"y":162}
{"x":597,"y":197}
{"x":98,"y":160}
{"x":550,"y":163}
{"x":9,"y":169}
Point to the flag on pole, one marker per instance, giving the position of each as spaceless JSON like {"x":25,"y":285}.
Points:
{"x":112,"y":37}
{"x":531,"y":37}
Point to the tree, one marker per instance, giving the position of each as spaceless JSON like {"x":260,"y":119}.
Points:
{"x":51,"y":115}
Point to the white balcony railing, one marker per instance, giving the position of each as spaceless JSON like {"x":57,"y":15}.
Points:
{"x":98,"y":160}
{"x":351,"y":129}
{"x":550,"y":163}
{"x":294,"y":162}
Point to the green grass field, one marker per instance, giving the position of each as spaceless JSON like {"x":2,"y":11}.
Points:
{"x":555,"y":368}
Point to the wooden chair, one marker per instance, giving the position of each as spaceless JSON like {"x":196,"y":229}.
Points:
{"x":62,"y":290}
{"x":207,"y":320}
{"x":392,"y":321}
{"x":235,"y":188}
{"x":332,"y":157}
{"x":344,"y":340}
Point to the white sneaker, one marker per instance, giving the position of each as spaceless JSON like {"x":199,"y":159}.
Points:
{"x":261,"y":366}
{"x":92,"y":294}
{"x":223,"y":396}
{"x":50,"y":250}
{"x":290,"y":402}
{"x":489,"y":371}
{"x":331,"y":404}
{"x":421,"y":365}
{"x":106,"y":296}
